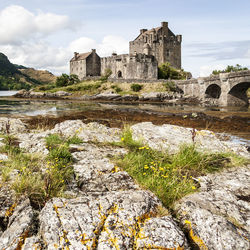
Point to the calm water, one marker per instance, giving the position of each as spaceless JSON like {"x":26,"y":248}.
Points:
{"x":21,"y":108}
{"x":7,"y":93}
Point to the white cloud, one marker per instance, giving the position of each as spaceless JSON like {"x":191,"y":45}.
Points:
{"x":42,"y":55}
{"x":106,"y":47}
{"x":112,"y":44}
{"x":82,"y":44}
{"x":18,"y":24}
{"x":207,"y":70}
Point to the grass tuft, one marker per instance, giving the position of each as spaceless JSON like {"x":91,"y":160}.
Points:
{"x":170,"y":177}
{"x":37,"y":177}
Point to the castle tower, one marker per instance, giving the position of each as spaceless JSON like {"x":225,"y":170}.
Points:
{"x":160,"y":42}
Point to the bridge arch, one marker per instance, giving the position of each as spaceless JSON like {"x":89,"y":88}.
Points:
{"x":213,"y":91}
{"x":238,"y":94}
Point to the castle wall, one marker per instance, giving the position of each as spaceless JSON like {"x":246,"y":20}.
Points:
{"x":78,"y":68}
{"x":130,"y":67}
{"x":93,"y":65}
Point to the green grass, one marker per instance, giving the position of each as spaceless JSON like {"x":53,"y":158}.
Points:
{"x":84,"y":87}
{"x":170,"y":177}
{"x":37,"y":177}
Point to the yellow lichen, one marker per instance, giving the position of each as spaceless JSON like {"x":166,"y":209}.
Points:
{"x":10,"y":211}
{"x":195,"y":238}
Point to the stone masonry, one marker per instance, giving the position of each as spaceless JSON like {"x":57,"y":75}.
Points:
{"x":146,"y":52}
{"x":160,"y":42}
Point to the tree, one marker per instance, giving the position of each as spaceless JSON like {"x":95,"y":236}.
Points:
{"x":230,"y":68}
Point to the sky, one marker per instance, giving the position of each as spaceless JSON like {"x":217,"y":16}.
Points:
{"x":44,"y":34}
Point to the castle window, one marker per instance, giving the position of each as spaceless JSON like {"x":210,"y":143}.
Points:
{"x":119,"y":74}
{"x":168,"y":52}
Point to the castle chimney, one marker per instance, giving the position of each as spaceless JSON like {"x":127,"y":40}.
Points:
{"x":179,"y":38}
{"x":75,"y":55}
{"x":94,"y":50}
{"x":142,"y":31}
{"x":164,"y":24}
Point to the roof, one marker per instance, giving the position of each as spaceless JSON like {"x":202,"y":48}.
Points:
{"x":147,"y":32}
{"x":170,"y":33}
{"x":82,"y":56}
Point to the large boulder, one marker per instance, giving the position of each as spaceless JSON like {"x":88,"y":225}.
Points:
{"x":117,"y":220}
{"x":19,"y":226}
{"x":218,"y":216}
{"x":171,"y":137}
{"x":96,"y":173}
{"x":87,"y":132}
{"x":11,"y":125}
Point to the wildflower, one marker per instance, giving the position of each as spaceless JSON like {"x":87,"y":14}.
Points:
{"x":187,"y":222}
{"x":193,"y":187}
{"x":122,"y":139}
{"x":161,"y":169}
{"x":146,"y":167}
{"x":144,"y":173}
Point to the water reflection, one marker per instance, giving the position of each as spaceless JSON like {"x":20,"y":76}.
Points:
{"x":41,"y":107}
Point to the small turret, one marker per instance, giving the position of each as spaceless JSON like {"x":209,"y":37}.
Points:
{"x":143,"y":30}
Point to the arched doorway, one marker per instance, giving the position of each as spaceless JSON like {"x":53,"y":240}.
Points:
{"x":213,"y":91}
{"x":119,"y":74}
{"x":238,"y":94}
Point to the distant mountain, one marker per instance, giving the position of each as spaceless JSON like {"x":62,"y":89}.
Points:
{"x":6,"y":67}
{"x":42,"y":76}
{"x":13,"y":76}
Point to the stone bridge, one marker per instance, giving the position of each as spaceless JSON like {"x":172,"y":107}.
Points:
{"x":226,"y":89}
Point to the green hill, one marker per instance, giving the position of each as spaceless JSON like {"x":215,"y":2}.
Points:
{"x":17,"y":77}
{"x":6,"y":67}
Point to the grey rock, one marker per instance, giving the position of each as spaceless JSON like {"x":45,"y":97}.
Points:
{"x":106,"y":96}
{"x":219,"y":214}
{"x":62,"y":93}
{"x":33,"y":142}
{"x":33,"y":94}
{"x":3,"y":157}
{"x":96,"y":173}
{"x":18,"y":227}
{"x":32,"y":243}
{"x":12,"y":125}
{"x":87,"y":132}
{"x":171,"y":137}
{"x":7,"y":198}
{"x":102,"y":222}
{"x":162,"y":232}
{"x":129,"y":98}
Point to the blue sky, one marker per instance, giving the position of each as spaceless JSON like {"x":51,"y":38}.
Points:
{"x":44,"y":34}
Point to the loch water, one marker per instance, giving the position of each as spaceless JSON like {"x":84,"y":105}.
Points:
{"x":234,"y":121}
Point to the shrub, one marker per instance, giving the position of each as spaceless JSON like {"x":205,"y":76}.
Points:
{"x":106,"y":75}
{"x":170,"y":86}
{"x":116,"y":88}
{"x":165,"y":71}
{"x":66,"y":80}
{"x":136,"y":87}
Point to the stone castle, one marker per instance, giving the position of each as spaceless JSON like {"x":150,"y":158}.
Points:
{"x":150,"y":49}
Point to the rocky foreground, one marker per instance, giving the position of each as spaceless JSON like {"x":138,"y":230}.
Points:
{"x":105,"y":209}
